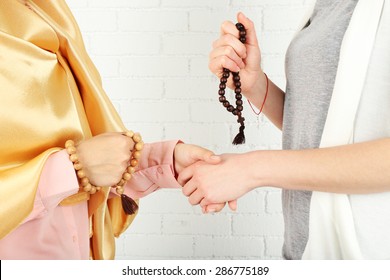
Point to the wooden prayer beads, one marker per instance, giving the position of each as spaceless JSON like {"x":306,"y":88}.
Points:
{"x":128,"y":204}
{"x":236,"y":111}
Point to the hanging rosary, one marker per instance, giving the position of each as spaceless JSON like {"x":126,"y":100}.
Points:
{"x":236,"y":111}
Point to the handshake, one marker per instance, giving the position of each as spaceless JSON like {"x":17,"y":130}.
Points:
{"x":206,"y":179}
{"x":210,"y":180}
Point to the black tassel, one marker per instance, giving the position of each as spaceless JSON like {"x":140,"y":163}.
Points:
{"x":240,"y":137}
{"x":129,"y":205}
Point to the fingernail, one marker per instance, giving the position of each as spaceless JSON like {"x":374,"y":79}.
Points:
{"x":211,"y":210}
{"x":214,"y":157}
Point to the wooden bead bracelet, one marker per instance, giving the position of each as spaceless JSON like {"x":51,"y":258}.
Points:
{"x":128,"y":204}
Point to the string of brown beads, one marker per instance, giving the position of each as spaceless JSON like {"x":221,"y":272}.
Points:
{"x":128,"y":204}
{"x":236,"y":111}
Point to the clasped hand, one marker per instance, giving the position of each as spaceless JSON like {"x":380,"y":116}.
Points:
{"x":212,"y":180}
{"x":191,"y":159}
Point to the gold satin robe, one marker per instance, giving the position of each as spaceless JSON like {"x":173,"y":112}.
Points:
{"x":50,"y":91}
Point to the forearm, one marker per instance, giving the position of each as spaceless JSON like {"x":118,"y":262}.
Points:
{"x":353,"y":169}
{"x":273,"y":107}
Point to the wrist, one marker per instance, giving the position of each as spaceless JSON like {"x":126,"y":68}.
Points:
{"x":248,"y":167}
{"x":260,"y":168}
{"x":256,"y":92}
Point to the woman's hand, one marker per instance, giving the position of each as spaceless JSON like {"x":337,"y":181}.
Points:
{"x":105,"y":157}
{"x":186,"y":155}
{"x":207,"y":184}
{"x":228,"y":52}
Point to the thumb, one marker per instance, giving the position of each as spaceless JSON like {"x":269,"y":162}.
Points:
{"x":211,"y":158}
{"x":251,"y":37}
{"x":199,"y":153}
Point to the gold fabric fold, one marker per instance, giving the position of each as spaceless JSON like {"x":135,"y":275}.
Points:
{"x":50,"y":92}
{"x":76,"y":198}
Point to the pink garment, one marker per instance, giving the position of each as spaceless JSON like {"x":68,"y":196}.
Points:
{"x":52,"y":231}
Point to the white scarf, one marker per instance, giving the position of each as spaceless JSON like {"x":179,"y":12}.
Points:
{"x":333,"y":225}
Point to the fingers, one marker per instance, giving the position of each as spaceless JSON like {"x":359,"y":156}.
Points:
{"x":217,"y":64}
{"x":188,"y":188}
{"x":228,"y":52}
{"x":185,"y":175}
{"x":227,"y":57}
{"x":130,"y":141}
{"x":233,"y":205}
{"x":196,"y":197}
{"x":228,"y":27}
{"x":213,"y":208}
{"x":204,"y":202}
{"x":104,"y":167}
{"x":228,"y":40}
{"x":217,"y":207}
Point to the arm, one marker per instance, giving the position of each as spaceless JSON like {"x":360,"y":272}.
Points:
{"x":359,"y":168}
{"x":352,"y":169}
{"x":228,"y":52}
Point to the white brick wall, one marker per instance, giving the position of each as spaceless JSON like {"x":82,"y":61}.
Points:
{"x":153,"y":56}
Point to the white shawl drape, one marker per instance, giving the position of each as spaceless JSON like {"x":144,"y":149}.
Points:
{"x":336,"y":230}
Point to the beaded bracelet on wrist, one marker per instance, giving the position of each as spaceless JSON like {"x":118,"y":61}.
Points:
{"x":128,"y":204}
